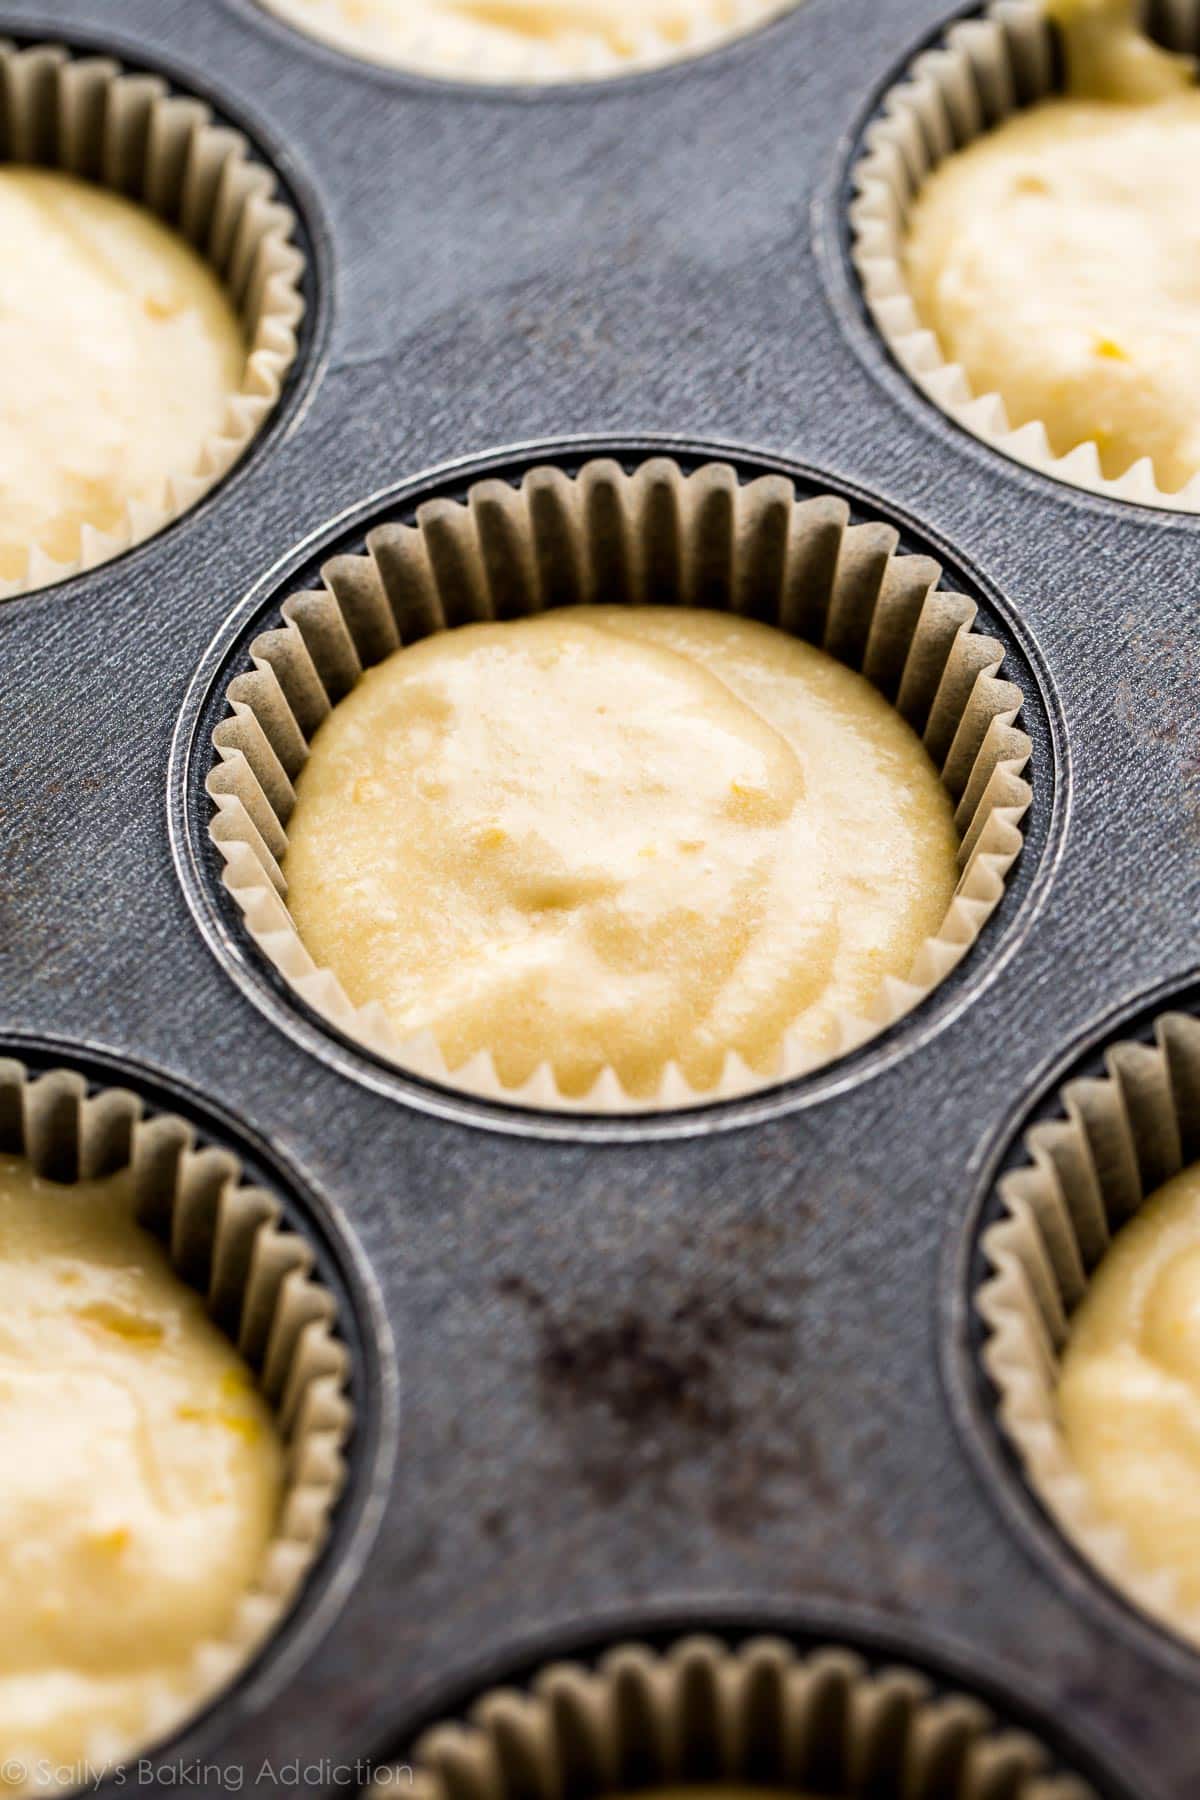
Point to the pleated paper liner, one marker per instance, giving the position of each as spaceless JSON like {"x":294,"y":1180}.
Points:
{"x":654,"y":536}
{"x":86,"y":116}
{"x":227,"y":1239}
{"x":415,"y":38}
{"x":1118,"y":1138}
{"x":822,"y":1725}
{"x":983,"y":71}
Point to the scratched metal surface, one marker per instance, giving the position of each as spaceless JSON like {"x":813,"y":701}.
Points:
{"x":718,"y":1371}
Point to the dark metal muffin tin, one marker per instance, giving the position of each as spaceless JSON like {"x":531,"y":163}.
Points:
{"x":700,"y":1371}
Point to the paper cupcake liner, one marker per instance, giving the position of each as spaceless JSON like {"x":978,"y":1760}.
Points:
{"x":1118,"y":1139}
{"x":656,"y":535}
{"x":86,"y":116}
{"x":486,"y":60}
{"x":983,"y":70}
{"x":764,"y":1716}
{"x":227,"y":1239}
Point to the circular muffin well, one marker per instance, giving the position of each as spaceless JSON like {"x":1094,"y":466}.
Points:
{"x":648,"y":533}
{"x":276,"y":1293}
{"x":1090,"y":1152}
{"x":82,"y":114}
{"x":751,"y":1711}
{"x":978,"y":72}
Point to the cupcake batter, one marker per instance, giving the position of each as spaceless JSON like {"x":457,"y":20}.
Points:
{"x":142,"y":1474}
{"x":119,"y":352}
{"x":617,"y":836}
{"x":1129,"y":1397}
{"x":1057,"y":258}
{"x":526,"y":40}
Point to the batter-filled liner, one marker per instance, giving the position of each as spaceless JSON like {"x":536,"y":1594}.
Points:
{"x":982,"y":72}
{"x":655,"y":536}
{"x":762,"y":1716}
{"x":227,"y":1239}
{"x":531,"y":42}
{"x":86,"y":116}
{"x":1114,"y":1142}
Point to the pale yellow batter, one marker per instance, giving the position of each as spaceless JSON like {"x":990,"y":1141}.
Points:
{"x":526,"y":40}
{"x":141,"y":1472}
{"x":1057,"y":258}
{"x":617,"y":837}
{"x":1129,"y":1397}
{"x":118,"y":353}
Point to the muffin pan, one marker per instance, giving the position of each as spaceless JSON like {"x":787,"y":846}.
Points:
{"x":716,"y":1363}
